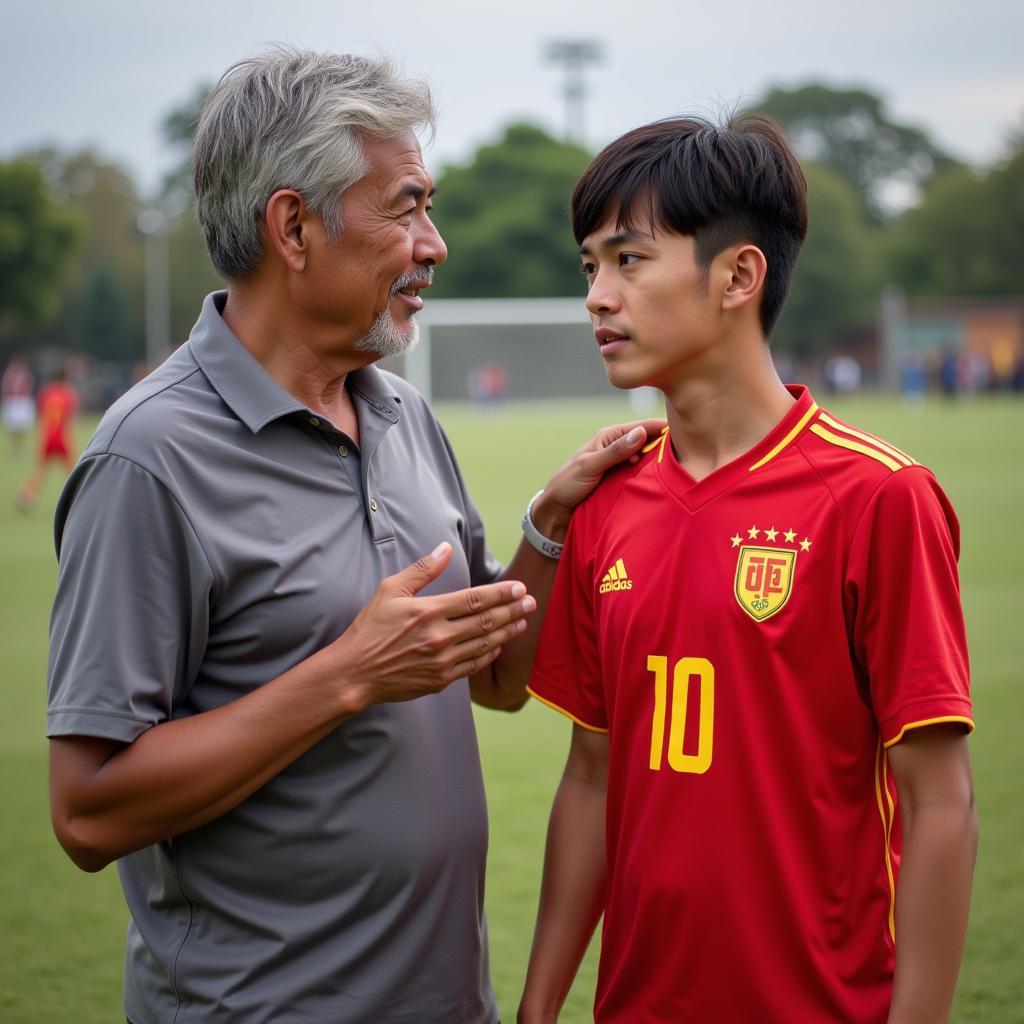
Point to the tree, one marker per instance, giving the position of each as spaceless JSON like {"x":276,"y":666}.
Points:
{"x":103,"y":200}
{"x":835,"y":287}
{"x":967,"y":236}
{"x":36,"y":243}
{"x":104,"y":324}
{"x":505,"y":218}
{"x":851,"y":131}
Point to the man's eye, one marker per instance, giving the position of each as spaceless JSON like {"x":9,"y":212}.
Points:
{"x":588,"y":269}
{"x":627,"y":259}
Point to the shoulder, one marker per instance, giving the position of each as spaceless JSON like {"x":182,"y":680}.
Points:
{"x":871,"y":480}
{"x":613,"y":493}
{"x":138,"y":424}
{"x":854,"y":464}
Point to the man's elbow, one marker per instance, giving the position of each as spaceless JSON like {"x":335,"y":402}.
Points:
{"x":81,"y":842}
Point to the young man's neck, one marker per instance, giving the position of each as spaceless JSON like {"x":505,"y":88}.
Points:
{"x":717,"y":412}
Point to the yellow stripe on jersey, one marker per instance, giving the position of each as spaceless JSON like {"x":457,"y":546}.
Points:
{"x":930,"y":721}
{"x":870,"y":438}
{"x":886,"y":830}
{"x":856,"y":446}
{"x":658,"y":440}
{"x":664,"y":439}
{"x":562,"y":711}
{"x":789,"y":437}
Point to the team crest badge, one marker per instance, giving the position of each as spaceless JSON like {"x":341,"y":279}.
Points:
{"x":764,"y":580}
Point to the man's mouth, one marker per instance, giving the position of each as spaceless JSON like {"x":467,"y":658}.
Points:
{"x":410,"y":285}
{"x":610,"y":340}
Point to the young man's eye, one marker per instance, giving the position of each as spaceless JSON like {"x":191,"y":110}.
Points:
{"x":627,"y":259}
{"x":588,"y":269}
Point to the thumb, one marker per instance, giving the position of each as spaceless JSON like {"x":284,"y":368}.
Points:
{"x":621,"y":448}
{"x":424,"y":570}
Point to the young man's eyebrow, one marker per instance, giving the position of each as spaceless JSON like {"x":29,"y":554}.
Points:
{"x":622,"y":238}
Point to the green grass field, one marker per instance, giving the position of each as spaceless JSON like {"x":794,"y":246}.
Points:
{"x":61,"y":931}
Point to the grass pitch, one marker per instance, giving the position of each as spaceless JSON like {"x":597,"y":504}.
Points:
{"x":62,"y":931}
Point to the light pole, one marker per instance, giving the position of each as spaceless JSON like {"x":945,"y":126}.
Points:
{"x":574,"y":55}
{"x":153,"y":225}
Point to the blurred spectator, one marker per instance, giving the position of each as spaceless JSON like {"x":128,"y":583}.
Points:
{"x":18,"y":405}
{"x":487,"y":384}
{"x":57,"y":406}
{"x":949,"y":374}
{"x":1004,"y":363}
{"x":978,"y":373}
{"x":913,"y":382}
{"x":842,"y":375}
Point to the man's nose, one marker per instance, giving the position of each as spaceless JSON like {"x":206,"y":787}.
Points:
{"x":429,"y":249}
{"x":601,"y":298}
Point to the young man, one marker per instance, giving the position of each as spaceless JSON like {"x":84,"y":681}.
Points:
{"x":757,"y":632}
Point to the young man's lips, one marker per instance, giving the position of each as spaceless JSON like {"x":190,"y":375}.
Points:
{"x":610,"y":340}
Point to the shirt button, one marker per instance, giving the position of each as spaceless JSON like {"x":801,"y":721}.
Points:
{"x":314,"y":421}
{"x":373,"y":504}
{"x":342,"y":450}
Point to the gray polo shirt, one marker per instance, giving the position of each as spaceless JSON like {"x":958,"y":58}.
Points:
{"x":214,"y":533}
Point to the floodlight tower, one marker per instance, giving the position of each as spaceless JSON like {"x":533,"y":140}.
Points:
{"x":574,"y":55}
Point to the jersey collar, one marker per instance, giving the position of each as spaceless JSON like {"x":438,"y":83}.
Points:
{"x":782,"y":436}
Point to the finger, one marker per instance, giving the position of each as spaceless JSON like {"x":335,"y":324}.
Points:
{"x":413,"y":579}
{"x":473,"y":600}
{"x":479,"y":624}
{"x":470,"y":666}
{"x":616,"y":451}
{"x":480,"y":645}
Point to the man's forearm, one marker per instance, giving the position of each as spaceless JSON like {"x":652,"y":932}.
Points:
{"x":932,"y":901}
{"x":109,"y":799}
{"x":571,"y":900}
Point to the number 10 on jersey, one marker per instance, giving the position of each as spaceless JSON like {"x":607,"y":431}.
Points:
{"x":682,"y":672}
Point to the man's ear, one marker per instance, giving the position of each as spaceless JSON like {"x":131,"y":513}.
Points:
{"x":287,"y":228}
{"x":746,"y":268}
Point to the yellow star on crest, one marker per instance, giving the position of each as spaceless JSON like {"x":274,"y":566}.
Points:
{"x":753,"y":532}
{"x":771,"y":534}
{"x":805,"y":545}
{"x":790,"y":536}
{"x":736,"y":540}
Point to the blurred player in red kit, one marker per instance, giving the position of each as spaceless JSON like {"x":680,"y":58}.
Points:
{"x":57,"y":406}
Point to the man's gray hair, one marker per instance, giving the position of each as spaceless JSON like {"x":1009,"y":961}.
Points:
{"x":292,"y":119}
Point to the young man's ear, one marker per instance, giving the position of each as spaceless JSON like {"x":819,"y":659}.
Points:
{"x":746,"y":268}
{"x":287,"y":228}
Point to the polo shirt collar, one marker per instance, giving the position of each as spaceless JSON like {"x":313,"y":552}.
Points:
{"x":251,"y":393}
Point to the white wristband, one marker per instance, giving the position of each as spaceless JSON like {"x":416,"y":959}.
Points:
{"x":545,"y":546}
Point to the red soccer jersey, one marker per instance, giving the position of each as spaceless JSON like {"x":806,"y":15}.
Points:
{"x":57,"y":405}
{"x":752,"y":642}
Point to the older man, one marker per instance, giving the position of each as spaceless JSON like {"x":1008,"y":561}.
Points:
{"x":246,"y":605}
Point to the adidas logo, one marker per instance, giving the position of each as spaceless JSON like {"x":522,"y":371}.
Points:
{"x":616,"y":578}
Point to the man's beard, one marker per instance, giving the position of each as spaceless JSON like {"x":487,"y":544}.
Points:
{"x":385,"y":337}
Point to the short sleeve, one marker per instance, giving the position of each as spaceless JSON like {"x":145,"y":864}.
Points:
{"x":131,"y":613}
{"x":567,"y":669}
{"x":908,"y":625}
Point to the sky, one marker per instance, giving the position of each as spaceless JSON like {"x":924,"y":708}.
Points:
{"x":104,"y":73}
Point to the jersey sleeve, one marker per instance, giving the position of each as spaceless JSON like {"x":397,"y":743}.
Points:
{"x":908,"y":626}
{"x":131,"y":613}
{"x":567,"y":670}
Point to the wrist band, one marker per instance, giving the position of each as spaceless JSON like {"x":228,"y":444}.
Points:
{"x":545,"y":546}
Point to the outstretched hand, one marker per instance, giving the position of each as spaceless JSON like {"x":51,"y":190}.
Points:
{"x":403,"y":645}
